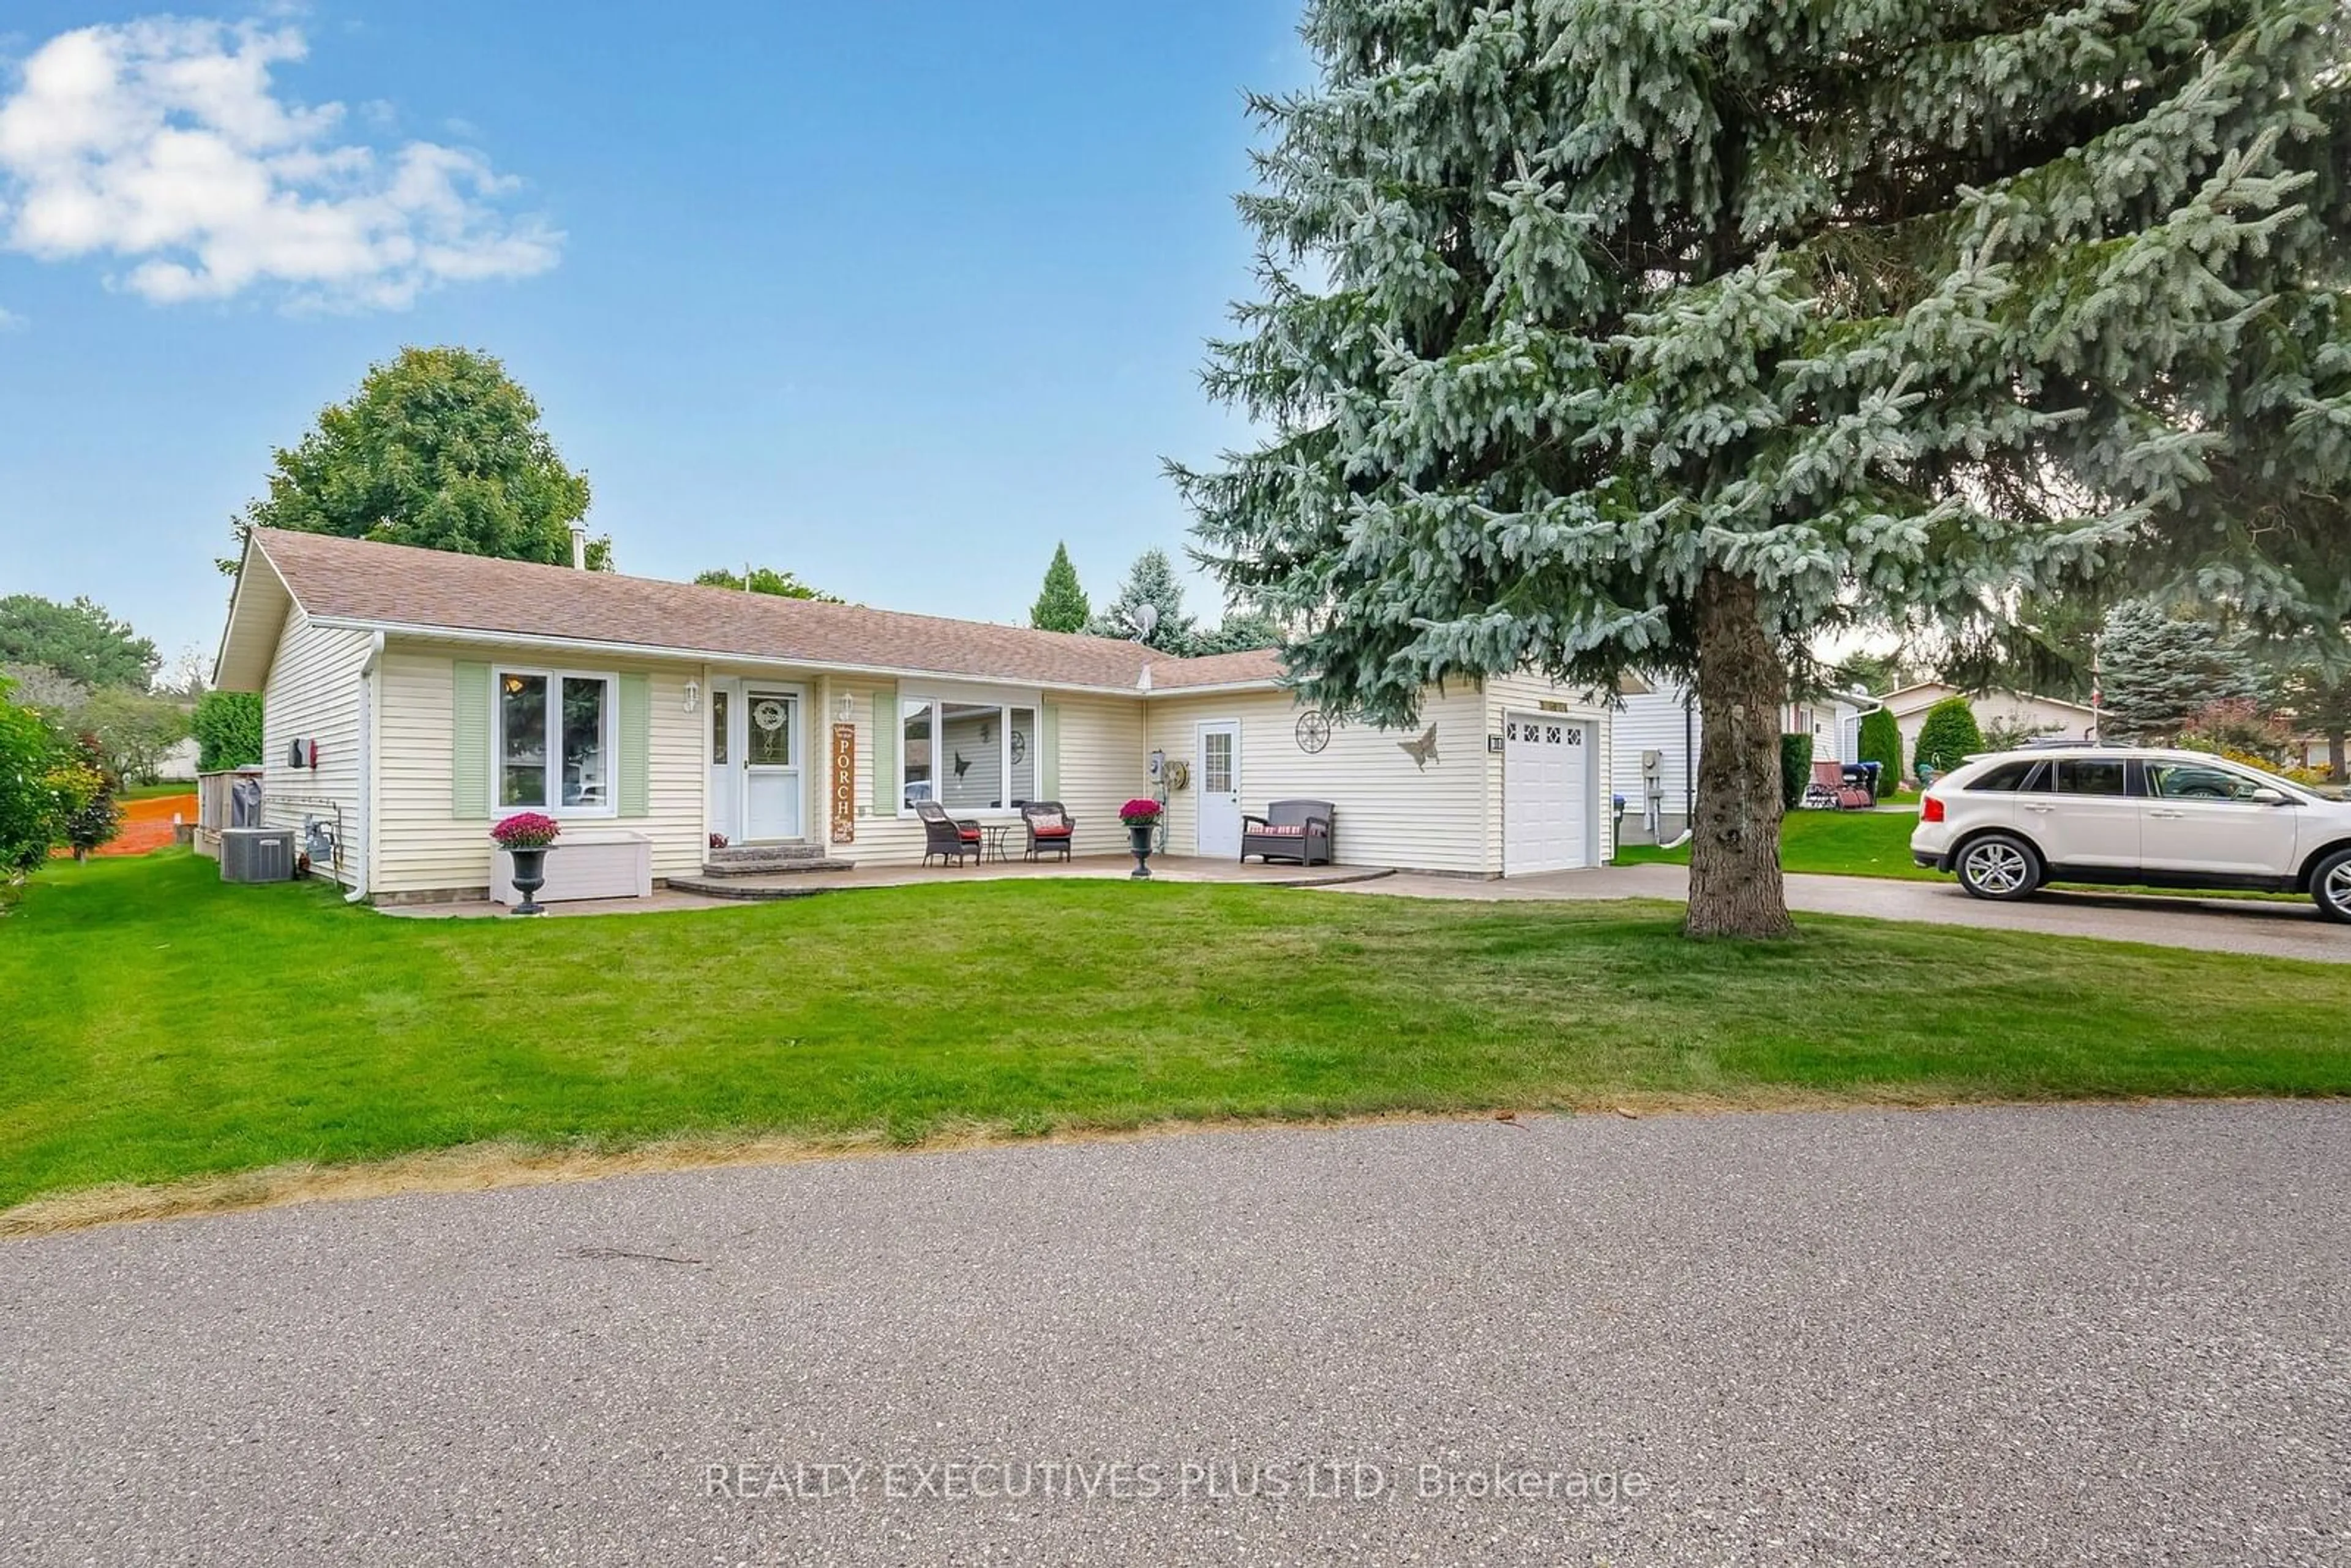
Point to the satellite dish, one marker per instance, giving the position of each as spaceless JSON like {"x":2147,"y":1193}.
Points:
{"x":1146,"y":622}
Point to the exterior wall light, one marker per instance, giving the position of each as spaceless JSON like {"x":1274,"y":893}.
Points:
{"x":693,"y":694}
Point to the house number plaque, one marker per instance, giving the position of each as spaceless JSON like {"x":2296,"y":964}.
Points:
{"x":844,"y":783}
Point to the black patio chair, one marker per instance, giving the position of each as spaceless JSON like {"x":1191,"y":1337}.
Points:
{"x":1050,"y":829}
{"x":946,"y":837}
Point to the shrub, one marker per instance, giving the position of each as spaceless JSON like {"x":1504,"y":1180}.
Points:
{"x":1881,"y":742}
{"x":29,"y":807}
{"x":1947,"y":737}
{"x":1795,"y":768}
{"x":227,"y":728}
{"x":89,"y":814}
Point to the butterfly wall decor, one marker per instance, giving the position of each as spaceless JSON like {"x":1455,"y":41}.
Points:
{"x":1422,"y":751}
{"x":963,"y":764}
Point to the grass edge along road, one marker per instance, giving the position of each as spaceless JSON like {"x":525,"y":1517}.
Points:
{"x":168,"y":1027}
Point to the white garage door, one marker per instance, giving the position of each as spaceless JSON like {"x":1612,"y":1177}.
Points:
{"x":1546,"y":793}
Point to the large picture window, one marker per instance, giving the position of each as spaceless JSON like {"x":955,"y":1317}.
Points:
{"x":554,"y":744}
{"x":968,"y":756}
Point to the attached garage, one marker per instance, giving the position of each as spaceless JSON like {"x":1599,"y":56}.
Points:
{"x":1547,"y":793}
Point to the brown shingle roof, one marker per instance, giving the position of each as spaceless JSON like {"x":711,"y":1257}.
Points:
{"x":353,"y":580}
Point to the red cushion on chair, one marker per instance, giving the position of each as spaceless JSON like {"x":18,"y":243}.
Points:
{"x":1279,"y":830}
{"x":970,"y":835}
{"x":1052,"y":833}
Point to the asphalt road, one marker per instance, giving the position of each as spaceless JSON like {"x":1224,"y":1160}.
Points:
{"x":2276,"y":929}
{"x":2108,"y":1337}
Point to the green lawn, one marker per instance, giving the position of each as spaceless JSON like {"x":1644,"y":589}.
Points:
{"x":161,"y":1025}
{"x":1839,"y":843}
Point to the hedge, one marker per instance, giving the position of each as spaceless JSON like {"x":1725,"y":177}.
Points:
{"x":1947,"y":737}
{"x":1881,"y":742}
{"x":1795,"y":768}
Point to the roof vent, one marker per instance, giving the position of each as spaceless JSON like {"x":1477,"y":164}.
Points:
{"x":579,"y":546}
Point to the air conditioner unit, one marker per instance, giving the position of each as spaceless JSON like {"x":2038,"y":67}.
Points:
{"x":257,"y":854}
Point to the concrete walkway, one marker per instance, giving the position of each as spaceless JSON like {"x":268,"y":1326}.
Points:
{"x":2268,"y":928}
{"x":802,"y":884}
{"x":2093,"y":1336}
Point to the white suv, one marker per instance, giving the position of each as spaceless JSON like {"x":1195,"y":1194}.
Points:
{"x":2008,"y":823}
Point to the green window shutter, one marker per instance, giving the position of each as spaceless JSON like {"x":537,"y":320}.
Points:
{"x":1049,"y":751}
{"x":636,"y":744}
{"x":885,"y":750}
{"x":469,"y":740}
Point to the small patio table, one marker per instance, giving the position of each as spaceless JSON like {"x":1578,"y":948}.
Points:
{"x":998,"y":834}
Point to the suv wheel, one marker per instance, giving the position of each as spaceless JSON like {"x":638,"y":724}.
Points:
{"x":2000,"y":866}
{"x":2330,"y":885}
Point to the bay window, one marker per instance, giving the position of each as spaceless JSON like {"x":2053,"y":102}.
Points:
{"x":554,"y":741}
{"x":968,"y":756}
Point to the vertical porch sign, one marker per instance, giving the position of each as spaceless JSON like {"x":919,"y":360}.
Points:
{"x":844,"y":783}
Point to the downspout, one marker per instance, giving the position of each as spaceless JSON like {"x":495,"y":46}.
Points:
{"x":364,"y":767}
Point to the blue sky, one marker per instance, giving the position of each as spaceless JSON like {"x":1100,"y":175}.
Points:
{"x":891,"y":295}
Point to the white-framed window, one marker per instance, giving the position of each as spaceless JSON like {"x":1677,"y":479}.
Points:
{"x":553,"y":741}
{"x":970,"y":755}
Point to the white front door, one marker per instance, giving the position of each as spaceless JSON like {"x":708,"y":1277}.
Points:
{"x":1546,"y":785}
{"x":772,"y":796}
{"x":1216,"y":789}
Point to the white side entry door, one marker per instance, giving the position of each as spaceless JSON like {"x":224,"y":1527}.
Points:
{"x":1216,"y":787}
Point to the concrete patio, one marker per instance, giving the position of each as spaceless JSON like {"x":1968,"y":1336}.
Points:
{"x":807,"y":884}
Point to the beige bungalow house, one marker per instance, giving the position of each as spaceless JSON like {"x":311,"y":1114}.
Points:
{"x":2053,"y":717}
{"x":412,"y":697}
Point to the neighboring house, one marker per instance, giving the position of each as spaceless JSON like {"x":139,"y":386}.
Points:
{"x":179,"y":764}
{"x":2051,"y":716}
{"x":1654,"y":751}
{"x":411,"y":698}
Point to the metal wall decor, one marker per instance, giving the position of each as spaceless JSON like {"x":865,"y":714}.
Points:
{"x":844,"y":783}
{"x":1422,"y":751}
{"x":1312,"y":730}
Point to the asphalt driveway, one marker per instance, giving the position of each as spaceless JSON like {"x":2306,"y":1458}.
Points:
{"x":2273,"y":929}
{"x":2087,"y":1335}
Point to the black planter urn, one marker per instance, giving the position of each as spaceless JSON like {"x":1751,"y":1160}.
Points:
{"x":1138,"y":837}
{"x":529,"y":876}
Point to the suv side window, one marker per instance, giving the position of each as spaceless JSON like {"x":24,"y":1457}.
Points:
{"x":2007,"y":777}
{"x":2090,"y":776}
{"x":2197,"y":781}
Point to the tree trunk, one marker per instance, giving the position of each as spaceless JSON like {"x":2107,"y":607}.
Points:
{"x":2335,"y":758}
{"x":1734,"y":884}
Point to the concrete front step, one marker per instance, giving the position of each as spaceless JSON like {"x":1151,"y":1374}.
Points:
{"x":753,"y":889}
{"x":783,"y":848}
{"x":773,"y":865}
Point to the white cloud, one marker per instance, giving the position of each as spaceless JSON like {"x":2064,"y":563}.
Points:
{"x":9,"y":321}
{"x":163,"y":144}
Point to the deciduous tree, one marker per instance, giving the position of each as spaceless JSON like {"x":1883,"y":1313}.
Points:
{"x":1597,"y":337}
{"x":440,"y":448}
{"x":763,"y":580}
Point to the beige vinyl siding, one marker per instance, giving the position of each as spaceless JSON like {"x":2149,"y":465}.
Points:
{"x":422,"y":845}
{"x":1102,"y":754}
{"x":1389,"y":811}
{"x":1527,"y":694}
{"x":313,"y":693}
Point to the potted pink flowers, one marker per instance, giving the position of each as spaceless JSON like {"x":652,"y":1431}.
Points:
{"x":526,"y":836}
{"x":1140,"y":815}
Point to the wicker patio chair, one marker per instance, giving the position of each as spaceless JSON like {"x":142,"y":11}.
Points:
{"x":1290,"y":830}
{"x":946,"y":837}
{"x":1050,"y":829}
